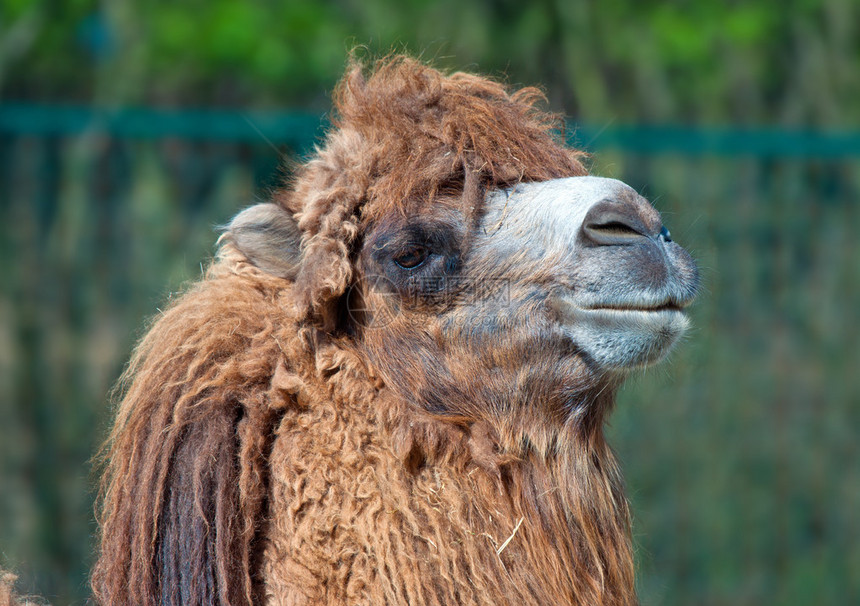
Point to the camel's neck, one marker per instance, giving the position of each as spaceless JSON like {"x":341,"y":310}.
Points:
{"x":463,"y":508}
{"x":559,"y":502}
{"x":575,"y":491}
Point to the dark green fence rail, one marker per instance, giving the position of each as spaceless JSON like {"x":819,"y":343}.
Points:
{"x":300,"y":129}
{"x":741,"y":454}
{"x":296,"y":129}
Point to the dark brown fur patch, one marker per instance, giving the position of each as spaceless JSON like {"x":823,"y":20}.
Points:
{"x":185,"y":482}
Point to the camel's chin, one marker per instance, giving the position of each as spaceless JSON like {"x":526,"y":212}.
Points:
{"x":622,"y":339}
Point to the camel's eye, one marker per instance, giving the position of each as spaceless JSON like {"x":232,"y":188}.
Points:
{"x":412,"y":258}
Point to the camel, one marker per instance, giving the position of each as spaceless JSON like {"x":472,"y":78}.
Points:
{"x":390,"y":386}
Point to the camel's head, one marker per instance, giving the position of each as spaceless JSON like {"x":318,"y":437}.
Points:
{"x":446,"y":234}
{"x":540,"y":291}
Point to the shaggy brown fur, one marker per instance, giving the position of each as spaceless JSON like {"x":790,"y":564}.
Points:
{"x":267,"y":451}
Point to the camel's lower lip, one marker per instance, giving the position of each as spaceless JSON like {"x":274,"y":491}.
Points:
{"x":569,"y":306}
{"x":615,"y":313}
{"x":628,"y":314}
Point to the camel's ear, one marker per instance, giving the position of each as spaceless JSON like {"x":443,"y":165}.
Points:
{"x":268,"y":236}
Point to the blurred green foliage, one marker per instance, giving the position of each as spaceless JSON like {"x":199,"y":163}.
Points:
{"x":753,"y":62}
{"x":741,"y":453}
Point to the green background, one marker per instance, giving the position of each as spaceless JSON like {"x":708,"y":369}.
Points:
{"x":739,"y":120}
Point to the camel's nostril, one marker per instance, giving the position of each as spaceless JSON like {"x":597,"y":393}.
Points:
{"x":610,"y":226}
{"x":622,"y":219}
{"x":614,"y":229}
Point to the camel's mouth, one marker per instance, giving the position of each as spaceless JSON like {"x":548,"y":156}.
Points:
{"x":668,"y":306}
{"x":621,"y":335}
{"x":644,"y":302}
